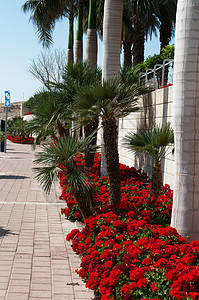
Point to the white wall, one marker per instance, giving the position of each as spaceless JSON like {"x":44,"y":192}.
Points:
{"x":156,"y":108}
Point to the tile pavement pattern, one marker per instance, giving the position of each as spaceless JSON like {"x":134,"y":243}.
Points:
{"x":36,"y":262}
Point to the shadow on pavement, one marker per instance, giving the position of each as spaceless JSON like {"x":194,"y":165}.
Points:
{"x":4,"y":232}
{"x":13,"y":177}
{"x":17,"y":152}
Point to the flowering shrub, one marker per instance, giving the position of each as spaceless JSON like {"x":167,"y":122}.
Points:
{"x":129,"y":251}
{"x":124,"y":258}
{"x":100,"y":186}
{"x":20,"y":139}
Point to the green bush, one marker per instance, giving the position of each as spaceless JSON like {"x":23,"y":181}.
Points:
{"x":17,"y":127}
{"x":1,"y":136}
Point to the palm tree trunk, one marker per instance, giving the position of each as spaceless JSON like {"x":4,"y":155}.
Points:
{"x":88,"y":129}
{"x":69,"y":59}
{"x":91,"y":38}
{"x":156,"y":180}
{"x":127,"y":44}
{"x":83,"y":204}
{"x":138,"y":42}
{"x":165,"y":33}
{"x":61,"y":129}
{"x":112,"y":33}
{"x":79,"y":37}
{"x":185,"y":212}
{"x":112,"y":158}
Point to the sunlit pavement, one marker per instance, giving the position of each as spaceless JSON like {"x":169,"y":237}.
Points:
{"x":36,"y":262}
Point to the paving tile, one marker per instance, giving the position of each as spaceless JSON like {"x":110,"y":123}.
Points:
{"x":41,"y":280}
{"x":18,"y":289}
{"x":67,"y":290}
{"x":18,"y":276}
{"x":63,"y":297}
{"x":4,"y":278}
{"x":41,"y":275}
{"x":20,"y":282}
{"x":82,"y":295}
{"x":41,"y":287}
{"x":19,"y":270}
{"x":35,"y":259}
{"x":44,"y":294}
{"x":2,"y":293}
{"x":17,"y":296}
{"x":3,"y":285}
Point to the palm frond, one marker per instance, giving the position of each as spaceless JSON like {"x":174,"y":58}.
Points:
{"x":153,"y":141}
{"x":63,"y":152}
{"x":45,"y":175}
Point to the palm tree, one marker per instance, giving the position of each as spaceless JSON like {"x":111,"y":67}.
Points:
{"x":76,"y":77}
{"x":45,"y":13}
{"x":51,"y":111}
{"x":166,"y":13}
{"x":112,"y":29}
{"x":61,"y":156}
{"x":127,"y":34}
{"x":185,"y":213}
{"x":153,"y":142}
{"x":70,"y":58}
{"x":79,"y":35}
{"x":17,"y":126}
{"x":109,"y":100}
{"x":91,"y":38}
{"x":141,"y":19}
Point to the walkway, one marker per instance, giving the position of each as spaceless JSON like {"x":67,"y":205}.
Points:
{"x":36,"y":262}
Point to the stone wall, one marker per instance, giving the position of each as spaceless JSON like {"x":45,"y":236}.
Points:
{"x":15,"y":109}
{"x":156,"y":108}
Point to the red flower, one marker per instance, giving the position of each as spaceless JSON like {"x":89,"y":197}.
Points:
{"x":154,"y":287}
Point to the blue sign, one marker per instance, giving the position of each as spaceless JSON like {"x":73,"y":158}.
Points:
{"x":7,"y":98}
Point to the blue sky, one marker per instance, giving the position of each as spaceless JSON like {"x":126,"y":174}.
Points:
{"x":19,"y":44}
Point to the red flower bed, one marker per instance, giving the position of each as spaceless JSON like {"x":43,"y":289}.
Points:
{"x":129,"y":251}
{"x":20,"y":139}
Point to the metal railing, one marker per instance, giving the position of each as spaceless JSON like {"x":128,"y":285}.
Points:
{"x":159,"y":76}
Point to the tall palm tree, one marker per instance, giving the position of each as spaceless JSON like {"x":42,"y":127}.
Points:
{"x":109,"y":100}
{"x":127,"y":34}
{"x":153,"y":142}
{"x":144,"y":24}
{"x":141,"y":19}
{"x":185,"y":212}
{"x":45,"y":13}
{"x":91,"y":38}
{"x":61,"y":156}
{"x":166,"y":13}
{"x":79,"y":34}
{"x":112,"y":29}
{"x":70,"y":57}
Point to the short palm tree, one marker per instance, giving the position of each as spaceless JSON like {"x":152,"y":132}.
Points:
{"x":110,"y":100}
{"x":17,"y":127}
{"x":76,"y":77}
{"x":61,"y":156}
{"x":50,"y":112}
{"x":153,"y":142}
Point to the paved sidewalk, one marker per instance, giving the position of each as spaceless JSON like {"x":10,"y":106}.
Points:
{"x":36,"y":262}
